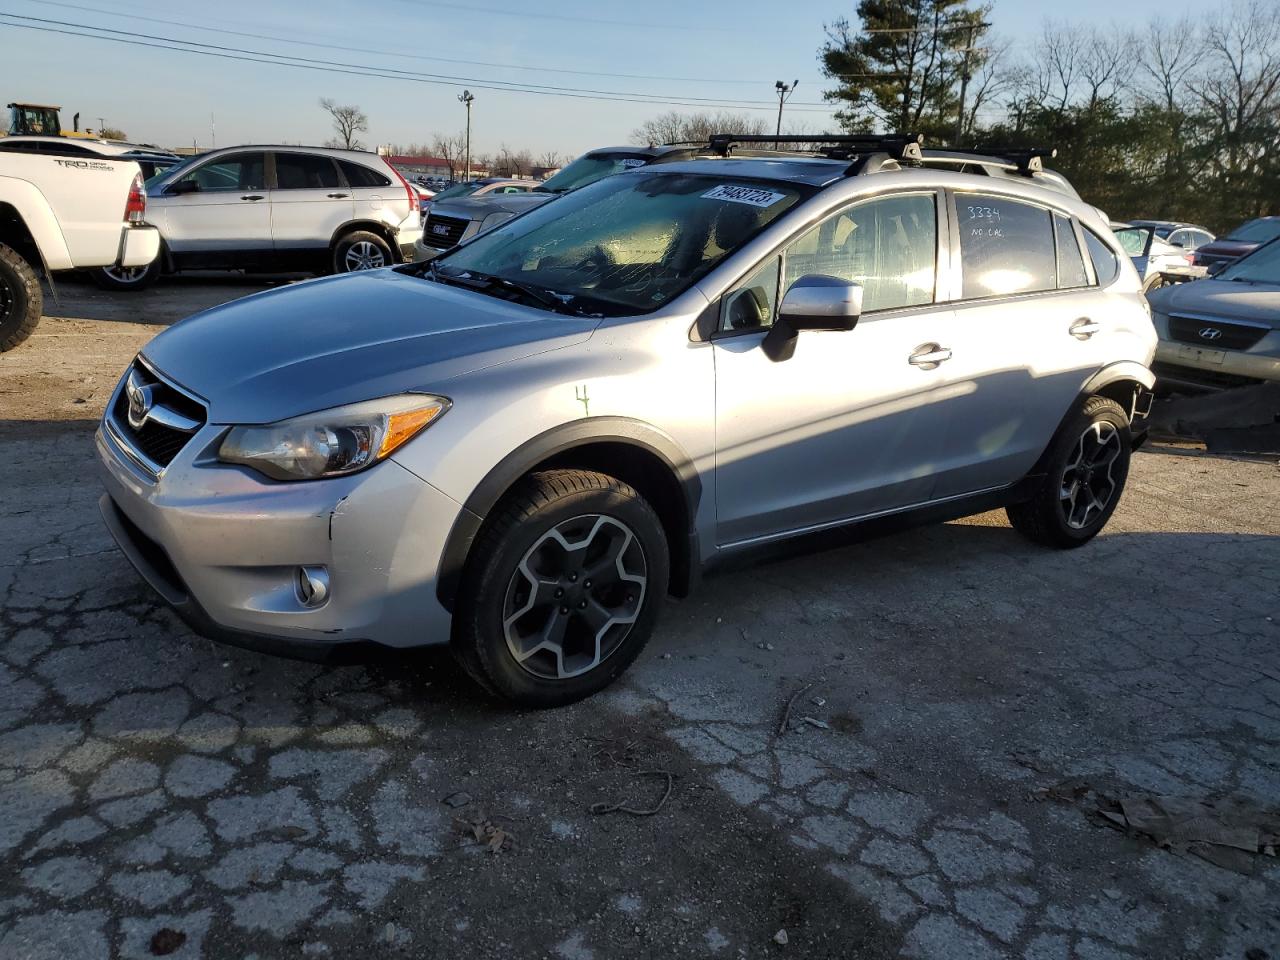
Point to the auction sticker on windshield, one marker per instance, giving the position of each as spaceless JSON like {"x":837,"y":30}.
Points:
{"x":754,"y":196}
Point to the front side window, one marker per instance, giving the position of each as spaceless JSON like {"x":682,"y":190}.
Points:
{"x":1071,"y":271}
{"x":1105,"y":263}
{"x":626,"y":244}
{"x":241,"y":171}
{"x":888,"y":245}
{"x":753,"y":303}
{"x":1006,"y":246}
{"x":303,"y":171}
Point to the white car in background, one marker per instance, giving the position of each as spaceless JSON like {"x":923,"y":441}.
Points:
{"x":272,"y":209}
{"x":1158,"y":261}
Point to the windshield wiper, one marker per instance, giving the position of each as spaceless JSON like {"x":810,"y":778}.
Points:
{"x":557,"y":303}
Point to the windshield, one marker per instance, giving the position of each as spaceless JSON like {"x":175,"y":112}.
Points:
{"x":457,"y":190}
{"x":1133,"y":239}
{"x":1261,"y":266}
{"x":627,"y":244}
{"x":174,"y":168}
{"x":1256,"y":231}
{"x":589,"y":168}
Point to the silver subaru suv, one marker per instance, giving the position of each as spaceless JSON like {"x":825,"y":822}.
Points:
{"x":523,"y":446}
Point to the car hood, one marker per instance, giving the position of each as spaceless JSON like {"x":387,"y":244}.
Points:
{"x":338,"y":340}
{"x":1224,"y":299}
{"x":477,"y":208}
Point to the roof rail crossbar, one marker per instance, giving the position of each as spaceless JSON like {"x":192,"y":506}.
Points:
{"x":899,"y":146}
{"x":1027,"y":160}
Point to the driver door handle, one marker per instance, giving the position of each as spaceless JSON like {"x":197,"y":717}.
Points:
{"x":338,"y":196}
{"x":252,"y":196}
{"x":1084,"y":328}
{"x":929,"y":356}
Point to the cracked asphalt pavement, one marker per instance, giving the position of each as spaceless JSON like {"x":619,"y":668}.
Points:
{"x":162,"y":795}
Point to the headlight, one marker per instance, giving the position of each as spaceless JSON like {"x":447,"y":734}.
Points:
{"x":494,"y":220}
{"x":334,"y":442}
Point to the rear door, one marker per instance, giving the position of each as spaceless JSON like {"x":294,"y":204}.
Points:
{"x":372,"y":191}
{"x":1024,"y":338}
{"x":310,"y":200}
{"x":225,"y":220}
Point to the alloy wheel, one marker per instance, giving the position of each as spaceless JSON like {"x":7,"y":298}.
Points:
{"x":574,"y":597}
{"x":1088,"y":483}
{"x":124,"y":274}
{"x":363,"y":255}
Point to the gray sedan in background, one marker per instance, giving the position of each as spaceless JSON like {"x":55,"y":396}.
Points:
{"x":1223,"y":331}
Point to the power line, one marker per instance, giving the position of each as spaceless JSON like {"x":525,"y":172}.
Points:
{"x":385,"y":53}
{"x":324,"y":66}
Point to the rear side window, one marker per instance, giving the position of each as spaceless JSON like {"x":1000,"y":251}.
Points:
{"x":358,"y":175}
{"x":1071,"y":272}
{"x":303,"y":171}
{"x":1105,"y":264}
{"x":1006,"y":246}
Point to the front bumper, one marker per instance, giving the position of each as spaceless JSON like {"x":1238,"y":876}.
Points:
{"x":1249,"y":364}
{"x":139,"y":245}
{"x":223,"y":546}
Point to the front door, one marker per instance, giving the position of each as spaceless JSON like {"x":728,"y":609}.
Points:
{"x":849,"y":425}
{"x":217,"y":214}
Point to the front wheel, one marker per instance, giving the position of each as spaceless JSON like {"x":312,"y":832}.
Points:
{"x":563,"y":590}
{"x":126,"y":278}
{"x":1087,"y":466}
{"x":21,"y":299}
{"x":361,"y":250}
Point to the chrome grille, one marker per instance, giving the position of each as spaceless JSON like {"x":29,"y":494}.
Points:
{"x":151,"y":419}
{"x":443,"y":232}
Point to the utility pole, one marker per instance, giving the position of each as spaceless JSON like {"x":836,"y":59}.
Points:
{"x":101,"y":125}
{"x":965,"y":72}
{"x":465,"y":99}
{"x":784,"y":92}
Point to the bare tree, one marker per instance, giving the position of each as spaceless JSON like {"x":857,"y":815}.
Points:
{"x":1107,"y":61}
{"x":551,"y":160}
{"x":990,"y":82}
{"x":347,"y":122}
{"x":677,"y":127}
{"x":450,"y":149}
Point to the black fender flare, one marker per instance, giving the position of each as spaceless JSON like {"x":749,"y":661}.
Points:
{"x":546,"y":445}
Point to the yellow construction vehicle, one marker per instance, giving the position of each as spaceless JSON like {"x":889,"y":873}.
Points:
{"x":35,"y":118}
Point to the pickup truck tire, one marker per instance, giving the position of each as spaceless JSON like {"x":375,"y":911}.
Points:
{"x":361,"y":250}
{"x":21,"y":299}
{"x":126,"y":278}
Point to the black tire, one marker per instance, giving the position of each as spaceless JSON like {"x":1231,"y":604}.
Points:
{"x":1053,"y":520}
{"x":126,"y":278}
{"x":356,"y":246}
{"x":21,"y":299}
{"x":520,"y":527}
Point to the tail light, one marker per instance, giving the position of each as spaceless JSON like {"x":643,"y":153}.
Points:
{"x":1189,"y":257}
{"x":409,"y":191}
{"x":136,"y":206}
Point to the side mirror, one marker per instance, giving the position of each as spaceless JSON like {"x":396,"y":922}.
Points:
{"x":181,"y":187}
{"x":814,"y":302}
{"x":1217,"y":267}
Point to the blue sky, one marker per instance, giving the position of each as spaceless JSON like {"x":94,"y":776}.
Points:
{"x":720,"y":51}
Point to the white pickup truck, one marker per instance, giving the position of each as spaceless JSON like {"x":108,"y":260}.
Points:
{"x":64,"y":213}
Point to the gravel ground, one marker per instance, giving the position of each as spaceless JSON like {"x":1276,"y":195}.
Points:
{"x":975,"y":701}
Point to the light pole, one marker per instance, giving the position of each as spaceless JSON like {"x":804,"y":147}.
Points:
{"x":784,"y":91}
{"x":465,"y":99}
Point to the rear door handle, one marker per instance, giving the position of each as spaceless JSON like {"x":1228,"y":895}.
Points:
{"x":338,"y":196}
{"x":929,"y":355}
{"x":252,"y":196}
{"x":1084,"y":328}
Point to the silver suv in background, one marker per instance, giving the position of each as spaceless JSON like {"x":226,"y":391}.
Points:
{"x":453,"y":219}
{"x":527,"y":443}
{"x":277,"y":209}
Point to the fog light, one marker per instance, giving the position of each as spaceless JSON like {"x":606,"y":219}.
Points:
{"x":313,"y":586}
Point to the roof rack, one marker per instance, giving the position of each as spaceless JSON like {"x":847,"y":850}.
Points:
{"x":899,"y":146}
{"x":1026,"y":160}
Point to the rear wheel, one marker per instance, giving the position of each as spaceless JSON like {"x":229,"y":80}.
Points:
{"x":563,"y":590}
{"x":361,"y":250}
{"x":126,"y":278}
{"x":1087,"y":466}
{"x":21,"y":299}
